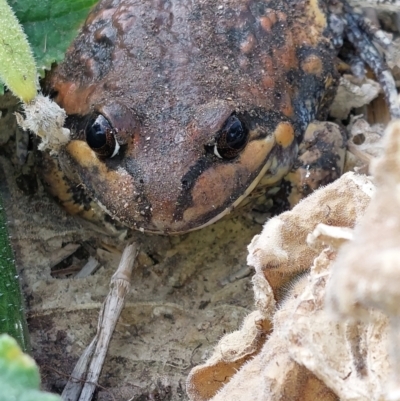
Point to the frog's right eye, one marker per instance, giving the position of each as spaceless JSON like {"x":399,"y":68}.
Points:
{"x":231,"y":139}
{"x":100,"y":136}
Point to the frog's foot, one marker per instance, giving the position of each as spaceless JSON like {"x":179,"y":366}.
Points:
{"x":320,"y":160}
{"x":360,"y":32}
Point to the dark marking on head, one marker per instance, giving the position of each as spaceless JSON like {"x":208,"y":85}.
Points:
{"x":188,"y":181}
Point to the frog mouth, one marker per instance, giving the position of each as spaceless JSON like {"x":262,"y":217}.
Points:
{"x":209,"y":221}
{"x":237,"y":202}
{"x":274,"y":169}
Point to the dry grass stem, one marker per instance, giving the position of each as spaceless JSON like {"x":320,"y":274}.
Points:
{"x":91,"y":362}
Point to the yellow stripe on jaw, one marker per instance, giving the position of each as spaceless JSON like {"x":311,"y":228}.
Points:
{"x":284,"y":134}
{"x":317,"y":14}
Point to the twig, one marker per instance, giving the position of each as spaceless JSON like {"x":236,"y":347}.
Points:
{"x":63,"y":253}
{"x":62,"y":374}
{"x":363,"y":156}
{"x":90,"y":267}
{"x":91,"y":362}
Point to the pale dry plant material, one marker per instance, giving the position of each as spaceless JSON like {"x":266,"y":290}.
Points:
{"x":84,"y":377}
{"x":349,"y":358}
{"x":46,"y":119}
{"x":233,"y":351}
{"x":332,"y":236}
{"x":373,"y":281}
{"x":392,"y":5}
{"x":310,"y":356}
{"x":353,"y":94}
{"x":365,"y":144}
{"x":364,"y":281}
{"x":282,"y":246}
{"x":273,"y":372}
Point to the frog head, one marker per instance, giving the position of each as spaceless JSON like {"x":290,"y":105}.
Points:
{"x":177,"y":114}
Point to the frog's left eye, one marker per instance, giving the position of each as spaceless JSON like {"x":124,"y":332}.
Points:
{"x":231,"y":139}
{"x":100,"y":136}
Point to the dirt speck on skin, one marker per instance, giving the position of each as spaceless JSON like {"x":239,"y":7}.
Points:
{"x":176,"y":312}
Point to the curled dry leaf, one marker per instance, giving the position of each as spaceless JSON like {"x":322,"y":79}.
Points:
{"x":331,"y":236}
{"x":273,"y":372}
{"x":373,"y":281}
{"x":282,"y":246}
{"x":349,"y":358}
{"x":364,"y":281}
{"x":353,"y":94}
{"x":233,"y":351}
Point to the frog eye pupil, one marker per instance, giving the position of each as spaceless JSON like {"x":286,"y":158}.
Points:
{"x":236,"y":136}
{"x":100,"y":136}
{"x":96,"y":134}
{"x":231,"y":139}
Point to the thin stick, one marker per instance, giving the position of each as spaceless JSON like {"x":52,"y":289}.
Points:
{"x":91,"y":362}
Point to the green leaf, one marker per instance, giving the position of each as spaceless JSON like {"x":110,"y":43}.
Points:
{"x":12,"y":314}
{"x":16,"y":368}
{"x":51,"y":25}
{"x":19,"y":375}
{"x":17,"y":67}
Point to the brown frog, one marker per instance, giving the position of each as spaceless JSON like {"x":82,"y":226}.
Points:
{"x":179,"y":108}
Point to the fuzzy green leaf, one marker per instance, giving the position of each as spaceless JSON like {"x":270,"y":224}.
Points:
{"x":51,"y":25}
{"x":19,"y":375}
{"x":17,"y":67}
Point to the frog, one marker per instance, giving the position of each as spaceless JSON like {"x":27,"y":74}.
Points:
{"x":179,"y":109}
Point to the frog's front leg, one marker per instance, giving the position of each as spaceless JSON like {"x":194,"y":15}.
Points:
{"x":320,"y":160}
